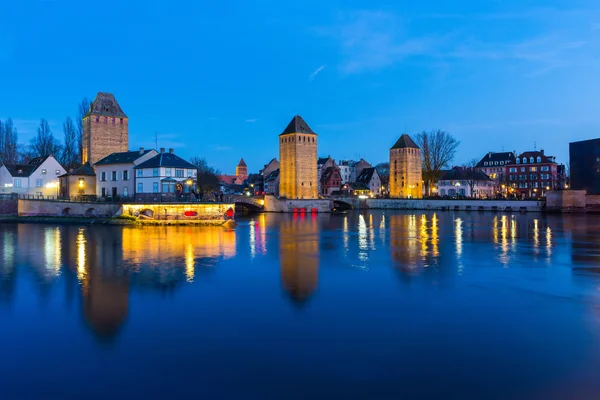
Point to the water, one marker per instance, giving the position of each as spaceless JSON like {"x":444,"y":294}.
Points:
{"x":363,"y":305}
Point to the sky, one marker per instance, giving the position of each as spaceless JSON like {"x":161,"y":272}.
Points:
{"x":222,"y":79}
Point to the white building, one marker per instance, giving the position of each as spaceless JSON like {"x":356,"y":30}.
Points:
{"x":351,"y":169}
{"x":39,"y":177}
{"x":371,"y":179}
{"x":165,"y":175}
{"x":464,"y":182}
{"x":115,"y":173}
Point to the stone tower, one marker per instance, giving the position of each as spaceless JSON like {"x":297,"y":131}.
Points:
{"x":241,"y":171}
{"x":406,"y":174}
{"x":105,"y":129}
{"x":298,"y":161}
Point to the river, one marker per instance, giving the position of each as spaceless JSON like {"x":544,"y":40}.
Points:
{"x":375,"y":305}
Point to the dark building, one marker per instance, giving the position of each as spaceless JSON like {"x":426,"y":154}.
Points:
{"x":584,"y":158}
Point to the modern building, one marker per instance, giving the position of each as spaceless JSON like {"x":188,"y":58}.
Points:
{"x":105,"y":129}
{"x":330,"y":181}
{"x":493,"y":165}
{"x":78,"y":183}
{"x":298,"y":161}
{"x":40,"y":177}
{"x":466,"y":182}
{"x":584,"y":159}
{"x":371,"y":179}
{"x":115,"y":173}
{"x":165,"y":176}
{"x":532,"y":174}
{"x":406,"y":174}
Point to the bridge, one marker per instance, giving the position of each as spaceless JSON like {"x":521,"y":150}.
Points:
{"x":250,"y":203}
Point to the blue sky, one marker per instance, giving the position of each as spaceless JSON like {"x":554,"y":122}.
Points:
{"x":222,"y":79}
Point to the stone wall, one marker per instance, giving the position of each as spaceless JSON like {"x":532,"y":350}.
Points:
{"x":273,"y":204}
{"x":406,"y":173}
{"x":8,"y":205}
{"x":298,"y":166}
{"x":566,"y":200}
{"x":103,"y":138}
{"x":181,"y":211}
{"x":67,"y":209}
{"x":452,"y":205}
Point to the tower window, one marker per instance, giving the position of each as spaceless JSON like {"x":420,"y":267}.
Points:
{"x":113,"y":121}
{"x":105,"y":119}
{"x":121,"y":121}
{"x":97,"y":119}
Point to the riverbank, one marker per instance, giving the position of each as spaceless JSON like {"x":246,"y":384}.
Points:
{"x":106,"y":221}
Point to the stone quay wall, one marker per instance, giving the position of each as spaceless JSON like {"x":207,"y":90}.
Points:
{"x":567,"y":200}
{"x":273,"y":204}
{"x":9,"y":205}
{"x":46,"y":208}
{"x":447,"y":205}
{"x":178,"y":211}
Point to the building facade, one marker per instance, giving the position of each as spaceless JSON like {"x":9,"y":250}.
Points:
{"x":241,"y":171}
{"x":466,"y":182}
{"x":78,"y":183}
{"x":493,"y":165}
{"x":115,"y":173}
{"x":40,"y":177}
{"x":406,"y":175}
{"x":532,"y":174}
{"x":105,"y":129}
{"x":371,"y":179}
{"x":330,"y":181}
{"x":298,"y":161}
{"x":165,"y":176}
{"x":584,"y":159}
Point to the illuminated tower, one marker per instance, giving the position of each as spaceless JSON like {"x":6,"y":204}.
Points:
{"x":406,"y":172}
{"x":298,"y":161}
{"x":241,"y":171}
{"x":105,"y":129}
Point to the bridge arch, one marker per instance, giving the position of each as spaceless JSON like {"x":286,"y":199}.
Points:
{"x":342,"y":205}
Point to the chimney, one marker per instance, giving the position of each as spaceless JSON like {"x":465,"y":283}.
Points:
{"x":542,"y":151}
{"x":490,"y":154}
{"x":171,"y":151}
{"x":141,"y":150}
{"x":162,"y":149}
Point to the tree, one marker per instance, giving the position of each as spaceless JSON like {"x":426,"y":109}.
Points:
{"x":9,"y":153}
{"x":207,"y":178}
{"x":437,"y":149}
{"x":82,"y":109}
{"x":472,"y":163}
{"x":383,"y":169}
{"x":70,"y":154}
{"x":44,"y":143}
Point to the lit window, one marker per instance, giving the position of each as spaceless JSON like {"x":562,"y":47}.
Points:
{"x":57,"y":172}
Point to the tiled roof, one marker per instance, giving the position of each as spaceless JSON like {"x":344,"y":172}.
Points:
{"x":242,"y":163}
{"x":506,"y":157}
{"x":297,"y":125}
{"x":85,"y":170}
{"x":358,"y":186}
{"x":404,"y":142}
{"x":166,"y":160}
{"x":329,"y":171}
{"x":322,"y":160}
{"x":228,"y":179}
{"x":535,"y":155}
{"x":25,"y":170}
{"x":272,"y":176}
{"x":366,"y":175}
{"x":106,"y":105}
{"x":458,"y":174}
{"x":125,"y":157}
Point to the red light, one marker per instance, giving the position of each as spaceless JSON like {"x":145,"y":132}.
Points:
{"x":190,"y":213}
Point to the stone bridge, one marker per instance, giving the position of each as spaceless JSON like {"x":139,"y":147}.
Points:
{"x":250,"y":203}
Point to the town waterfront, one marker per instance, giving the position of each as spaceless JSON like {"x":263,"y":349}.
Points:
{"x":468,"y":305}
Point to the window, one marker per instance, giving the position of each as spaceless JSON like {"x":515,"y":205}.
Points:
{"x":57,"y":172}
{"x":533,"y":177}
{"x":154,"y":171}
{"x":121,"y":121}
{"x":501,"y":162}
{"x":140,"y":188}
{"x":539,"y":159}
{"x":114,"y":175}
{"x":190,"y":173}
{"x":512,"y":177}
{"x":103,"y":176}
{"x":125,"y":191}
{"x":513,"y":169}
{"x":168,"y":171}
{"x":531,"y":160}
{"x":105,"y":120}
{"x":178,"y":173}
{"x":154,"y":187}
{"x":522,"y":169}
{"x":17,"y":183}
{"x":125,"y":175}
{"x":165,"y":188}
{"x":533,"y":169}
{"x":518,"y":160}
{"x":545,"y":168}
{"x":97,"y":119}
{"x":485,"y":163}
{"x":38,"y":183}
{"x":113,"y":121}
{"x":44,"y":172}
{"x":140,"y":173}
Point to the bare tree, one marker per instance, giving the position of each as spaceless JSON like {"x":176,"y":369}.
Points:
{"x":437,"y":148}
{"x":472,"y":163}
{"x":70,"y":154}
{"x":82,"y":109}
{"x":44,"y":143}
{"x":9,"y":153}
{"x":383,"y":169}
{"x":207,"y":179}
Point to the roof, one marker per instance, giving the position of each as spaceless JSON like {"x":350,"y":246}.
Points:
{"x":327,"y":174}
{"x":242,"y":163}
{"x":505,"y":156}
{"x":466,"y":174}
{"x":322,"y":160}
{"x":272,"y":176}
{"x":228,"y":179}
{"x":297,"y":125}
{"x":366,"y":175}
{"x":166,"y":160}
{"x":25,"y":170}
{"x":85,"y":170}
{"x":105,"y":104}
{"x":125,"y":157}
{"x":404,"y":142}
{"x":535,"y":155}
{"x":358,"y":186}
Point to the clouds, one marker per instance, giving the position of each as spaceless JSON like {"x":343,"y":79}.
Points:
{"x":316,"y":72}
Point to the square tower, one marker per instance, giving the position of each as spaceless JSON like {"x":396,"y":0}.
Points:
{"x":298,"y":161}
{"x":406,"y":173}
{"x":105,"y":129}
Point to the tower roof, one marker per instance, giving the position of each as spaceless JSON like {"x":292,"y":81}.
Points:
{"x":297,"y":125}
{"x":105,"y":104}
{"x":404,"y":142}
{"x":242,"y":163}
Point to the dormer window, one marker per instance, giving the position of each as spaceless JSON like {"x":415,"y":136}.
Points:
{"x":518,"y":161}
{"x":539,"y":159}
{"x":531,"y":160}
{"x":44,"y":172}
{"x":501,"y":162}
{"x":524,"y":160}
{"x":485,"y":163}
